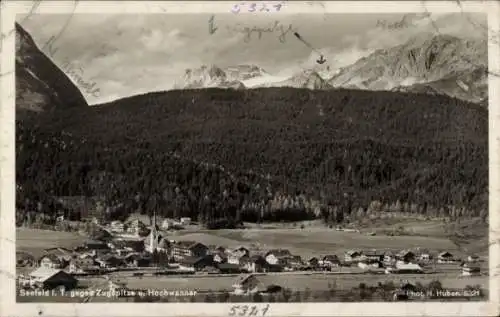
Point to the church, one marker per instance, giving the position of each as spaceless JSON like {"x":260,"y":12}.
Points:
{"x":155,"y":240}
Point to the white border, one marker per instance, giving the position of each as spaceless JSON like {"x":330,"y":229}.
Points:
{"x":8,"y":306}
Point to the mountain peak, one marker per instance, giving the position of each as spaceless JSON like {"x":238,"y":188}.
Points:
{"x":426,"y":58}
{"x":40,"y":85}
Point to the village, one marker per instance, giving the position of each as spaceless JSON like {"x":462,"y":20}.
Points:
{"x":118,"y":252}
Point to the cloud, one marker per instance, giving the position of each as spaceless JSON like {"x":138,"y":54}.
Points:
{"x":136,"y":53}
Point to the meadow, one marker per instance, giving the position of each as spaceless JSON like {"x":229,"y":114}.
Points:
{"x":294,"y":282}
{"x":309,"y":242}
{"x":34,"y":241}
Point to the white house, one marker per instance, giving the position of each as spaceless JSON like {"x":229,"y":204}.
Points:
{"x":185,"y":221}
{"x":473,"y":258}
{"x":51,"y":261}
{"x":117,"y":226}
{"x":167,"y":224}
{"x":471,"y":270}
{"x":246,"y":284}
{"x":402,"y":268}
{"x":278,"y":256}
{"x":367,"y":264}
{"x":236,"y":255}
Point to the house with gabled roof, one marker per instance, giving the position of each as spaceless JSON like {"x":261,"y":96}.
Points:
{"x":235,"y":256}
{"x":375,"y":255}
{"x":314,"y":262}
{"x":196,"y":263}
{"x":50,"y":278}
{"x":405,"y":268}
{"x":52,"y":261}
{"x":406,"y":256}
{"x":470,"y":269}
{"x":136,"y":260}
{"x":254,"y":263}
{"x":473,"y":258}
{"x":277,"y":256}
{"x":352,"y":256}
{"x":81,"y":265}
{"x":247,"y":284}
{"x":117,"y":226}
{"x":445,"y":257}
{"x":188,"y":249}
{"x":109,"y":261}
{"x":228,"y":268}
{"x":330,"y":261}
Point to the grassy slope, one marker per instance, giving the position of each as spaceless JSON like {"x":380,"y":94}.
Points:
{"x":315,"y":241}
{"x":34,"y":241}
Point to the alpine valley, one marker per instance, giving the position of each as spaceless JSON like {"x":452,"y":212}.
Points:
{"x":405,"y":125}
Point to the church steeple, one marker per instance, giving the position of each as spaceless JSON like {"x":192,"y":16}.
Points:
{"x":153,"y":237}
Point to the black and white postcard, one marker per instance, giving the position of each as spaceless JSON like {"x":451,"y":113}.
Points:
{"x":257,"y":158}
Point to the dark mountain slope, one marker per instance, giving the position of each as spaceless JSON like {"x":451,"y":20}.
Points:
{"x":325,"y":145}
{"x":40,"y":84}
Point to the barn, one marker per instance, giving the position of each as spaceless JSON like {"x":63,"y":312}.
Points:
{"x":49,"y":278}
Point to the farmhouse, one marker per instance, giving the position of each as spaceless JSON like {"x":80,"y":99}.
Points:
{"x":220,"y":258}
{"x":81,"y":266}
{"x":313,"y":262}
{"x":445,"y":257}
{"x":405,"y":268}
{"x":185,"y":221}
{"x":49,"y":278}
{"x":236,"y":255}
{"x":136,"y":227}
{"x":228,"y":268}
{"x":369,"y":263}
{"x":277,"y":256}
{"x":373,"y":255}
{"x":117,"y":226}
{"x":136,"y":260}
{"x":245,"y":284}
{"x":352,"y":256}
{"x":52,"y":261}
{"x":167,"y":224}
{"x":389,"y":257}
{"x":471,"y":270}
{"x":406,"y":256}
{"x":255,"y":263}
{"x":196,"y":263}
{"x":183,"y":249}
{"x":473,"y":258}
{"x":109,"y":261}
{"x":330,"y":261}
{"x":425,"y":257}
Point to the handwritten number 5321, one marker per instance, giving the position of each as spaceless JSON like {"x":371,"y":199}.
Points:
{"x":252,"y":7}
{"x":248,"y":310}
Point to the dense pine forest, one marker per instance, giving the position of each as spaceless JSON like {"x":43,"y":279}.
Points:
{"x":276,"y":154}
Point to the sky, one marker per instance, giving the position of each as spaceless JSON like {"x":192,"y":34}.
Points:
{"x":132,"y":54}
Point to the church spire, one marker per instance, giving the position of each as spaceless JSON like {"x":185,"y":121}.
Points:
{"x":153,"y":236}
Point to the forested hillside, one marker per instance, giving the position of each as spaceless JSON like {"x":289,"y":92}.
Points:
{"x":222,"y":156}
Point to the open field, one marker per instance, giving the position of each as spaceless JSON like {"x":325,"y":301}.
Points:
{"x":35,"y":241}
{"x":296,"y":282}
{"x":310,"y":242}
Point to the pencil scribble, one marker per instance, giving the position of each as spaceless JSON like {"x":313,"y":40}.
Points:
{"x":276,"y":27}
